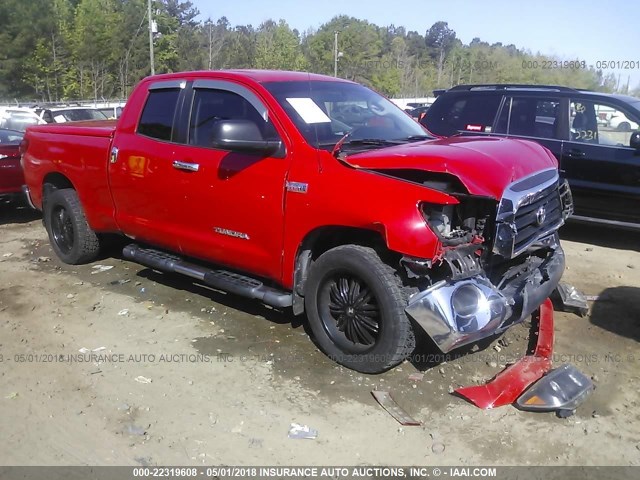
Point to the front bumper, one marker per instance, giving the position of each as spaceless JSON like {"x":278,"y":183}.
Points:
{"x":457,"y":313}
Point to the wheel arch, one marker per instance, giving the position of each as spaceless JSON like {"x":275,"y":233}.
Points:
{"x":55,"y":181}
{"x":322,"y":239}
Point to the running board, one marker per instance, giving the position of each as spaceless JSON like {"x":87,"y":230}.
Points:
{"x":220,"y":279}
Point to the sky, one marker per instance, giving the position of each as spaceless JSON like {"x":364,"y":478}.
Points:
{"x":588,"y":29}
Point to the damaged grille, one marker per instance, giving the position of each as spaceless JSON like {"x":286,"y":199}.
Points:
{"x":529,"y":210}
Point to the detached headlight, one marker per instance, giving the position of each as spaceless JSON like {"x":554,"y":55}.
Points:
{"x":561,"y":390}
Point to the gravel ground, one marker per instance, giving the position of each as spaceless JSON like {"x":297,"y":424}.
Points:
{"x":177,"y":373}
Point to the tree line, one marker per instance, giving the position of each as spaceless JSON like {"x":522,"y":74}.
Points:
{"x":61,"y":50}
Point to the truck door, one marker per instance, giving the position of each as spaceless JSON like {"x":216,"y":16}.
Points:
{"x":602,"y":168}
{"x":148,"y":191}
{"x":232,"y":213}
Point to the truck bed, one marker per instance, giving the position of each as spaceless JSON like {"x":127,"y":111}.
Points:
{"x":80,"y":151}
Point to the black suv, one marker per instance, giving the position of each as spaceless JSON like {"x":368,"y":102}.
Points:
{"x":594,"y":136}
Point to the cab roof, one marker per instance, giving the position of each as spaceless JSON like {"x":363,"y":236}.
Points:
{"x":260,"y":76}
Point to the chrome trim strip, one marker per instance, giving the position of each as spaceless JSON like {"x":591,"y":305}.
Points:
{"x":602,"y":221}
{"x":517,"y":199}
{"x":27,"y":194}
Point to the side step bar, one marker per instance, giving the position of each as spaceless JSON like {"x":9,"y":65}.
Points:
{"x":220,"y":279}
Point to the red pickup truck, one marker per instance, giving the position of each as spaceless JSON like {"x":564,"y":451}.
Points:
{"x":247,"y":181}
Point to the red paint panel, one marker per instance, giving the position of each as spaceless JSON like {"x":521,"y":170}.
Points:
{"x":508,"y":385}
{"x":11,"y":177}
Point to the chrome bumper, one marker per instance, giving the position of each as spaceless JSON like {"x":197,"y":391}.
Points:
{"x":454,"y":314}
{"x":27,"y":195}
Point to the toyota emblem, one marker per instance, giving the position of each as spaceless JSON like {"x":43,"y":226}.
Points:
{"x":541,"y":215}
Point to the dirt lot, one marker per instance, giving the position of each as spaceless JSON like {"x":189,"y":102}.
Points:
{"x":179,"y":374}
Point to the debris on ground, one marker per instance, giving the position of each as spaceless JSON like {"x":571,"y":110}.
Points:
{"x":302,"y":432}
{"x":120,"y":282}
{"x":437,"y":448}
{"x":389,"y":404}
{"x":12,"y":395}
{"x":416,"y":377}
{"x":135,"y":430}
{"x":124,"y":312}
{"x":141,"y":379}
{"x":100,"y":268}
{"x":569,"y":299}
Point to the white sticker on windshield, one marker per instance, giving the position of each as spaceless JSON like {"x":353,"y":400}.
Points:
{"x":60,"y":119}
{"x":309,"y":110}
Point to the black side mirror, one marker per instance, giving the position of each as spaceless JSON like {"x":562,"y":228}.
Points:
{"x":242,"y":136}
{"x":634,"y":142}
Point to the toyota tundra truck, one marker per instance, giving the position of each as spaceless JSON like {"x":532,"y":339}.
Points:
{"x":256,"y":183}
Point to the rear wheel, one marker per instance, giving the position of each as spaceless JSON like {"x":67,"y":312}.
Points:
{"x":69,"y":233}
{"x":355,"y":304}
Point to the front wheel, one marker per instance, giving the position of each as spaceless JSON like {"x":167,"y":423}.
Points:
{"x":355,"y":304}
{"x":69,"y":233}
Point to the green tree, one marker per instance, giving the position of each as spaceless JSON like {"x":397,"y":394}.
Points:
{"x":439,"y":41}
{"x":278,"y":47}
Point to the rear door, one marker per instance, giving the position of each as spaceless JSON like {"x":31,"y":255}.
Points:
{"x":602,"y":169}
{"x":542,"y":119}
{"x":148,"y":191}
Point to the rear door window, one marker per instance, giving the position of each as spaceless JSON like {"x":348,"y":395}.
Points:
{"x":456,"y":113}
{"x":159,"y":113}
{"x":601,"y":123}
{"x":531,"y":117}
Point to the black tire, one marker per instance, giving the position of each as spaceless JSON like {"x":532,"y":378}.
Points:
{"x":355,"y":305}
{"x":69,"y":233}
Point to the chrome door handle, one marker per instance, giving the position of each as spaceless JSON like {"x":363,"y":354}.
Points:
{"x":114,"y":155}
{"x":189,"y":167}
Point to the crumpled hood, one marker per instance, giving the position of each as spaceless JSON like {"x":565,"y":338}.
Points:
{"x":485,"y":166}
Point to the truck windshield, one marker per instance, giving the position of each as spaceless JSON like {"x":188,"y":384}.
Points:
{"x":326,"y":111}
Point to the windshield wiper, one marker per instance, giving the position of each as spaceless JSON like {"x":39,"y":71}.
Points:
{"x":365,"y":143}
{"x":417,"y":138}
{"x":373,"y":141}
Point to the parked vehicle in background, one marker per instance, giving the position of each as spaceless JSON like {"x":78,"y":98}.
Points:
{"x":244,"y":181}
{"x":11,"y":177}
{"x":419,"y":113}
{"x":593,"y":135}
{"x":111,"y":112}
{"x":620,"y":122}
{"x":71,"y":114}
{"x":18,"y":118}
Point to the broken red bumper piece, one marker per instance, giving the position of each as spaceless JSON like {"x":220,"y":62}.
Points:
{"x":508,"y":385}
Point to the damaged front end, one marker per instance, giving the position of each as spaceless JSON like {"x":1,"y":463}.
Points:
{"x":499,"y":261}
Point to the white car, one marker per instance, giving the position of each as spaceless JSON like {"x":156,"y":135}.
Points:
{"x":18,"y":118}
{"x":71,"y":114}
{"x":621,"y":123}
